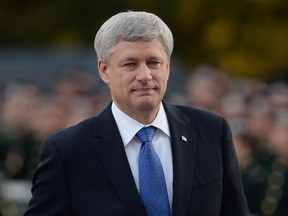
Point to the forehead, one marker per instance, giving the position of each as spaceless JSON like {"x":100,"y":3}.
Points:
{"x":139,"y":47}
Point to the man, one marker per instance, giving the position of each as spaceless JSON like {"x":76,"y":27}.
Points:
{"x":97,"y":167}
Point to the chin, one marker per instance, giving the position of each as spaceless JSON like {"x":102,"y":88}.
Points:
{"x":148,"y":104}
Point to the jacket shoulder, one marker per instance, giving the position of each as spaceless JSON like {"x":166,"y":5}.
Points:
{"x":196,"y":114}
{"x":85,"y":128}
{"x":79,"y":130}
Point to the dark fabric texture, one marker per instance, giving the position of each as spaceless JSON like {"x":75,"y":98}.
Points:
{"x":84,"y":169}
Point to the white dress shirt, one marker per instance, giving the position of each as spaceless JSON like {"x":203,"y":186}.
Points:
{"x":128,"y":127}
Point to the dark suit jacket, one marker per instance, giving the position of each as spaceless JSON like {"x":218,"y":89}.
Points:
{"x":84,"y":170}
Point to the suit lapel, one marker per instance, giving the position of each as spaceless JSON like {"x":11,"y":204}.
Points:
{"x":183,"y":151}
{"x":111,"y":154}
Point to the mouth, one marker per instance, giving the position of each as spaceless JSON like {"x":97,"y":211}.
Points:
{"x":144,"y":90}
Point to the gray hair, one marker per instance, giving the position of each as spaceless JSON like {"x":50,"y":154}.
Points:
{"x":131,"y":26}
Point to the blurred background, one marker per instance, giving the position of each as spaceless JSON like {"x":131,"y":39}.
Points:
{"x":230,"y":58}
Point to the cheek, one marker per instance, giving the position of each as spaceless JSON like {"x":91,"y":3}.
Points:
{"x":120,"y":85}
{"x":165,"y":78}
{"x":167,"y":75}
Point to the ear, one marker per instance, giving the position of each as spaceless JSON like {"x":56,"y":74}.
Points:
{"x":168,"y":68}
{"x":103,"y":71}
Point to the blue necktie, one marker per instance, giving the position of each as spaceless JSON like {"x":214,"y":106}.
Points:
{"x":153,"y":189}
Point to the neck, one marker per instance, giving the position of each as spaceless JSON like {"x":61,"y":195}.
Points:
{"x":146,"y":117}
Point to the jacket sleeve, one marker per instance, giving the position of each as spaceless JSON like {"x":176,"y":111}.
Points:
{"x":50,"y":194}
{"x":234,"y":201}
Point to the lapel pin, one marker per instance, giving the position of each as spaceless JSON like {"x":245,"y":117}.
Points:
{"x":183,"y":139}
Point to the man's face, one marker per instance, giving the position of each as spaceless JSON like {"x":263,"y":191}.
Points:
{"x":137,"y":75}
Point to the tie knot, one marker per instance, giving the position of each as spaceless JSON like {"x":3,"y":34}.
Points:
{"x":146,"y":134}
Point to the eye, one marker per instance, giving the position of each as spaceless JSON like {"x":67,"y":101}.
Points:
{"x":154,"y":64}
{"x":129,"y":65}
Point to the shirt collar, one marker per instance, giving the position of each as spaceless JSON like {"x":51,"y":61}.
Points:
{"x":128,"y":126}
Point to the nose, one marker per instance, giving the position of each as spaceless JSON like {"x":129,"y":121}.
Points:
{"x":144,"y":73}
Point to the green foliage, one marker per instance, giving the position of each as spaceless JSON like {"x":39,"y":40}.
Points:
{"x":247,"y":37}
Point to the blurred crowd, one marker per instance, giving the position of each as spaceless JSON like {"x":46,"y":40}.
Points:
{"x":256,"y":111}
{"x":258,"y":115}
{"x":29,"y":115}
